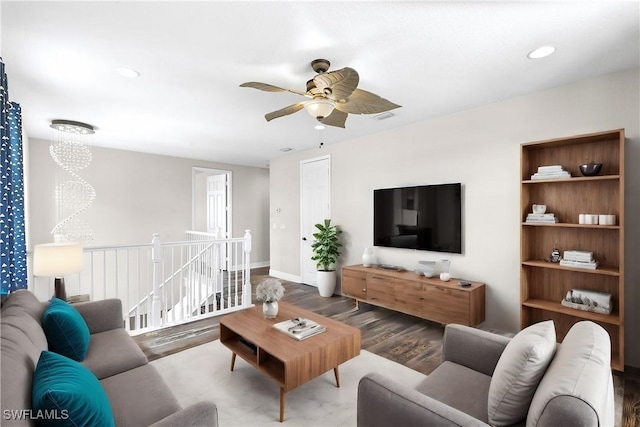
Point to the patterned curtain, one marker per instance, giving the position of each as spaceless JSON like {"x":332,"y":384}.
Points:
{"x":13,"y":251}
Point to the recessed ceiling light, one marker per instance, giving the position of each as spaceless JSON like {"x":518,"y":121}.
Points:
{"x":319,"y":127}
{"x":127,"y":72}
{"x":541,"y":52}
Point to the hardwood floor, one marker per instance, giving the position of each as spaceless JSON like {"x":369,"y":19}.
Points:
{"x":413,"y":342}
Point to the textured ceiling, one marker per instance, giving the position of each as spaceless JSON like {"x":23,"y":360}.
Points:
{"x":432,"y":58}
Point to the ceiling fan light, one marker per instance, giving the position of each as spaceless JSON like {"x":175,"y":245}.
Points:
{"x":320,"y":108}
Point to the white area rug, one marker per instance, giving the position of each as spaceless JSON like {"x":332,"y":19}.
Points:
{"x":247,"y":398}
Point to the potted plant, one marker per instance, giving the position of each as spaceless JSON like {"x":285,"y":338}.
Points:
{"x":269,"y":291}
{"x":326,"y":250}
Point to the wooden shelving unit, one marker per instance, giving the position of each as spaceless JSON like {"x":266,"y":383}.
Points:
{"x":543,"y":284}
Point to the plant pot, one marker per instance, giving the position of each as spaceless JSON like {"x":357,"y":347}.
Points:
{"x":326,"y":281}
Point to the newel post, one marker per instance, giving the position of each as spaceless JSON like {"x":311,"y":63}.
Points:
{"x":246,"y":292}
{"x":156,"y":257}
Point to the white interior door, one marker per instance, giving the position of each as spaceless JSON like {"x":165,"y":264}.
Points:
{"x":315,"y":189}
{"x":217,"y":205}
{"x":217,"y":212}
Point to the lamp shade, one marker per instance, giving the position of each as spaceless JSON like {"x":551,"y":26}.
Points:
{"x":57,"y":259}
{"x":320,"y":108}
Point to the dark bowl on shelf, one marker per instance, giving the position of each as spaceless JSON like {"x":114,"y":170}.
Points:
{"x":590,"y":169}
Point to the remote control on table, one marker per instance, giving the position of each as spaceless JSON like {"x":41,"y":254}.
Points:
{"x":464,"y":283}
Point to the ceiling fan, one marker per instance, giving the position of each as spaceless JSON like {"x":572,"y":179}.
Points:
{"x":333,"y":94}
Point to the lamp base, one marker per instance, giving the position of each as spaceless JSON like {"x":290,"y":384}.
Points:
{"x":60,"y":289}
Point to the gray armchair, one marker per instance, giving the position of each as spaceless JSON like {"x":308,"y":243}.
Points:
{"x":488,"y":379}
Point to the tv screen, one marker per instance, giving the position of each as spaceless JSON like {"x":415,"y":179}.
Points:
{"x":426,"y":217}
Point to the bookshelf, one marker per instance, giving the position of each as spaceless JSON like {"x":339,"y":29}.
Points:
{"x":544,"y":284}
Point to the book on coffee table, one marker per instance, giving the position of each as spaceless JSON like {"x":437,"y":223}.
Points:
{"x":300,"y":328}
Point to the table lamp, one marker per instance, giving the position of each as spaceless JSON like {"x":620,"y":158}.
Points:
{"x":57,"y":260}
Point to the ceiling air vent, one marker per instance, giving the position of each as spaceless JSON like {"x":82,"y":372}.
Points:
{"x":383,"y":116}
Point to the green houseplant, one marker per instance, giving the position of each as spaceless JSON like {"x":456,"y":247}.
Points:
{"x":326,"y":250}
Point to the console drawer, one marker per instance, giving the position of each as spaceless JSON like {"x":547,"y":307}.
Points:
{"x":409,"y":296}
{"x":446,"y":305}
{"x":380,"y":290}
{"x":354,"y":284}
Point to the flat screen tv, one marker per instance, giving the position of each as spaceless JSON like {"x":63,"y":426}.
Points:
{"x":425,"y":217}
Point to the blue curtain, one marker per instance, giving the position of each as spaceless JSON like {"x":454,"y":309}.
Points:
{"x":13,"y":250}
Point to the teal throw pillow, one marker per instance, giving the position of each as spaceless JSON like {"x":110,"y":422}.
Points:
{"x":67,"y":332}
{"x":69,"y":394}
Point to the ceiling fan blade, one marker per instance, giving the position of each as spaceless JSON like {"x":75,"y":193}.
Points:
{"x":338,"y":84}
{"x":269,"y":88}
{"x":337,"y":118}
{"x":363,"y":102}
{"x":284,"y":111}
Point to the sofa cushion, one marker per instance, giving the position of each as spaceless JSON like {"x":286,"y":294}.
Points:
{"x":66,"y":330}
{"x":26,"y":302}
{"x":460,"y":387}
{"x":21,"y":340}
{"x":578,"y":381}
{"x":139,"y":397}
{"x":518,"y":372}
{"x":112,"y":352}
{"x":69,"y":392}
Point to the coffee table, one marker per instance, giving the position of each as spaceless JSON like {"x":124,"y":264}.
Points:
{"x":287,"y":361}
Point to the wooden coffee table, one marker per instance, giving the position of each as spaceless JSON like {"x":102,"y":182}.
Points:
{"x":287,"y":361}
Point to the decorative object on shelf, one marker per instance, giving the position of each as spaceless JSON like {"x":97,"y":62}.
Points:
{"x":581,"y":299}
{"x":538,"y":215}
{"x":269,"y":291}
{"x":539,"y":209}
{"x":595,"y":219}
{"x":58,"y":260}
{"x":445,"y":277}
{"x":590,"y":169}
{"x":554,"y":256}
{"x":547,"y":218}
{"x":326,"y":250}
{"x":369,"y":257}
{"x":579,"y":259}
{"x":70,"y":150}
{"x":551,"y":172}
{"x":607,"y":219}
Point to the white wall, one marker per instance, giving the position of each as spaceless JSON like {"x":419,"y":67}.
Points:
{"x":140,"y":194}
{"x":481,"y":149}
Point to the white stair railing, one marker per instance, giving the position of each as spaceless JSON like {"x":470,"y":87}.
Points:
{"x":162,"y":284}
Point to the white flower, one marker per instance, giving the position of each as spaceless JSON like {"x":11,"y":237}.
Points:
{"x":269,"y":290}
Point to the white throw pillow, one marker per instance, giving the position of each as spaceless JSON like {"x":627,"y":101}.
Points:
{"x":518,"y":373}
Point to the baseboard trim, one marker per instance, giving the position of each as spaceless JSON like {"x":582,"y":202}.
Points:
{"x":284,"y":276}
{"x":260,"y":264}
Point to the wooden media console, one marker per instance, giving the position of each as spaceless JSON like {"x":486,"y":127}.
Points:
{"x":405,"y":291}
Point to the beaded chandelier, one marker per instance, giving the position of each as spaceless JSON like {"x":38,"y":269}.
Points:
{"x":73,"y":194}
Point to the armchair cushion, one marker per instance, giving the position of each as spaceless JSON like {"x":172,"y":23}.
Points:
{"x":67,"y":332}
{"x":459,"y":387}
{"x":518,"y":372}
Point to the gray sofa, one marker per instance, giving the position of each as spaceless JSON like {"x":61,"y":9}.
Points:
{"x":485,"y":381}
{"x":137,"y":394}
